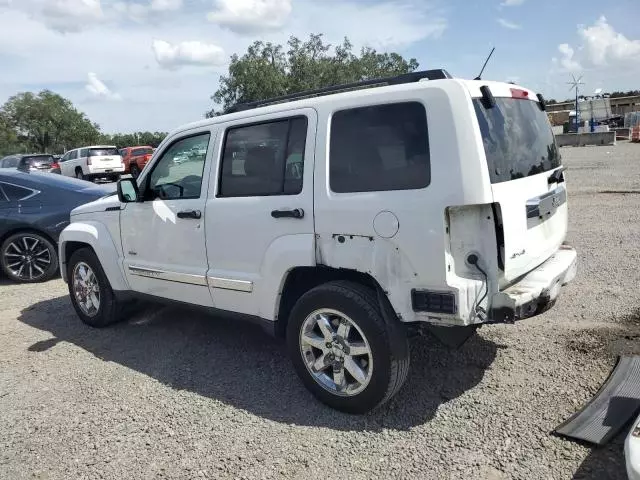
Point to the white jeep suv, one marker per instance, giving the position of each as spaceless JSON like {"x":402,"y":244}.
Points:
{"x":340,"y":220}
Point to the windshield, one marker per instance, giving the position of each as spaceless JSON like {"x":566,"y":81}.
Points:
{"x":102,"y":152}
{"x":517,"y":138}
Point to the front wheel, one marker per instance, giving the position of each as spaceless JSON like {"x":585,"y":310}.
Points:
{"x":90,"y":291}
{"x":344,"y":350}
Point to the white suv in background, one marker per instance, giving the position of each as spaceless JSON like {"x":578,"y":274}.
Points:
{"x":89,"y":163}
{"x":341,"y":221}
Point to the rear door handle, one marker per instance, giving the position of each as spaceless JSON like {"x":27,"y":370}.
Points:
{"x":193,"y":214}
{"x":295,"y":213}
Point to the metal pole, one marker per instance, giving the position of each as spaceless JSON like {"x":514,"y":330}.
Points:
{"x":577,"y":112}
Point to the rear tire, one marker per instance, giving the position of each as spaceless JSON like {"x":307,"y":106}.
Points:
{"x":79,"y":174}
{"x":28,"y":257}
{"x":356,"y":372}
{"x":90,"y":291}
{"x":134,"y":170}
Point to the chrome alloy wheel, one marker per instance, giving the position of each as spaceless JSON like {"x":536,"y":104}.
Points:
{"x":28,"y":258}
{"x":336,"y":352}
{"x":86,"y":289}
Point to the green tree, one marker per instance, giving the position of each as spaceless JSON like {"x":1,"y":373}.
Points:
{"x":266,"y":70}
{"x":46,"y":122}
{"x":122,"y":140}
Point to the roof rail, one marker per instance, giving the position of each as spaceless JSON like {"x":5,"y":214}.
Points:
{"x":437,"y":74}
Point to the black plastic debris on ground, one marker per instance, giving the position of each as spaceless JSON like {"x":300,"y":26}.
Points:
{"x":616,"y":403}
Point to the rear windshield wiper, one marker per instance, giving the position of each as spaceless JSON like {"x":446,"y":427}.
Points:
{"x":557,"y":176}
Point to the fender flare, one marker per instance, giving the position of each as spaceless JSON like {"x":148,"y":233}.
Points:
{"x":97,"y":236}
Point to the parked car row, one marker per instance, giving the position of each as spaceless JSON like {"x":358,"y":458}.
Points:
{"x":34,"y":209}
{"x":86,"y":163}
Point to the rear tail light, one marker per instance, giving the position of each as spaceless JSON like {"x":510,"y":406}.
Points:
{"x":55,"y":165}
{"x":517,"y":93}
{"x":147,"y":158}
{"x":88,"y":160}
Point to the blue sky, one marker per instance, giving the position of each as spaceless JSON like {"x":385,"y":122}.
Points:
{"x":152,"y":64}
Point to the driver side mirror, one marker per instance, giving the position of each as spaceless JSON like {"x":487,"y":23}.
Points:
{"x":128,"y":190}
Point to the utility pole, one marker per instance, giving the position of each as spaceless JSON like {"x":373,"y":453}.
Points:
{"x":576,"y":84}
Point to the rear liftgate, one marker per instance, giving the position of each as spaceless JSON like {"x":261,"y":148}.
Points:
{"x":616,"y":403}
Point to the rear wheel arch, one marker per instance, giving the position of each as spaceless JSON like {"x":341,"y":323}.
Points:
{"x":300,"y":280}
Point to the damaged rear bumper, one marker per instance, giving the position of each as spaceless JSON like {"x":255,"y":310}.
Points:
{"x":537,"y":290}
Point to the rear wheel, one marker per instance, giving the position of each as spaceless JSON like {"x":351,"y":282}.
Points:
{"x":344,"y":350}
{"x":90,"y":291}
{"x":134,"y":170}
{"x":79,"y":174}
{"x":28,"y":257}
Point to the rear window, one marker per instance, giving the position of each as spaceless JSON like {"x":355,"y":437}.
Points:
{"x":38,"y":159}
{"x":102,"y":152}
{"x":517,"y":138}
{"x":142,"y":151}
{"x":379,"y":148}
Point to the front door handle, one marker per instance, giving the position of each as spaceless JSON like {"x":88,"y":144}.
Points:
{"x":295,"y":213}
{"x":193,"y":214}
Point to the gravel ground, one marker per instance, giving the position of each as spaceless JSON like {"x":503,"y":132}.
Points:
{"x":172,"y":394}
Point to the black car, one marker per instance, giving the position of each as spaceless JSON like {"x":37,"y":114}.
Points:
{"x":34,"y":209}
{"x":34,"y":162}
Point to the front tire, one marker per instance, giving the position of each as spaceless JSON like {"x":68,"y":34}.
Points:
{"x":90,"y":291}
{"x":28,"y":257}
{"x":344,"y":350}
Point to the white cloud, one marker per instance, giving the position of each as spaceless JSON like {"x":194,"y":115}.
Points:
{"x":165,"y":5}
{"x":605,"y":46}
{"x":507,"y":24}
{"x":251,"y":16}
{"x":98,"y":89}
{"x":567,"y":61}
{"x":187,"y":53}
{"x":63,"y":15}
{"x":512,"y":3}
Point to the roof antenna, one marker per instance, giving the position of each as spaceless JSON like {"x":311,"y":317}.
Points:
{"x":479,"y":77}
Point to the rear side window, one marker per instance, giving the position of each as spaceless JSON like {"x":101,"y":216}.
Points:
{"x":84,"y":152}
{"x":517,"y":137}
{"x":102,"y":152}
{"x":264,"y":159}
{"x":379,"y":148}
{"x":14,"y":192}
{"x":10,"y":162}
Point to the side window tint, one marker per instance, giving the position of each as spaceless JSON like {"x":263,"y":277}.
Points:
{"x":264,"y":159}
{"x":73,"y":155}
{"x":15,"y":193}
{"x":11,"y":162}
{"x":178,"y":174}
{"x":379,"y":148}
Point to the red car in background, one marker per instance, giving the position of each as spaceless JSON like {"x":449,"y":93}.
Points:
{"x":135,"y":158}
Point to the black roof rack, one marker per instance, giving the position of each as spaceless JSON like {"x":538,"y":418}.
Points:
{"x":437,"y":74}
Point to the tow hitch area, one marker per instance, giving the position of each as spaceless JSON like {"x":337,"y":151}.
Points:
{"x":616,"y":403}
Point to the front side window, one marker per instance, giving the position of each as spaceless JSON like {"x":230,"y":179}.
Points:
{"x":264,"y":159}
{"x":178,"y":173}
{"x":73,"y":155}
{"x":379,"y":148}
